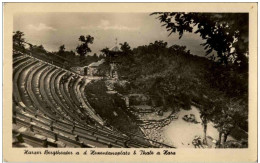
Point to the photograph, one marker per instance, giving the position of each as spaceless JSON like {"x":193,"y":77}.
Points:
{"x":160,"y":80}
{"x":130,"y":82}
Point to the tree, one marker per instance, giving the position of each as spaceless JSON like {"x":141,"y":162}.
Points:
{"x":61,"y":49}
{"x":105,"y":51}
{"x":95,"y":56}
{"x":206,"y":114}
{"x":83,"y":49}
{"x":32,"y":47}
{"x":228,"y":115}
{"x":125,"y":48}
{"x":18,"y":39}
{"x":37,"y":49}
{"x":178,"y":50}
{"x":224,"y":123}
{"x":225,"y":33}
{"x":158,"y":47}
{"x":41,"y":49}
{"x":172,"y":89}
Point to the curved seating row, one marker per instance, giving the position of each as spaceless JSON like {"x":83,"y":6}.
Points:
{"x":50,"y":104}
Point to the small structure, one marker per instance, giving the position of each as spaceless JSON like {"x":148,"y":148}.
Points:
{"x":113,"y":70}
{"x":79,"y":70}
{"x":113,"y":53}
{"x":92,"y":69}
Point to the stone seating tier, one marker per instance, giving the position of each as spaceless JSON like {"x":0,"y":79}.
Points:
{"x":50,"y":100}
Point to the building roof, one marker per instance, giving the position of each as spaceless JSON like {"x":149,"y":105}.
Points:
{"x":115,"y":49}
{"x":95,"y":64}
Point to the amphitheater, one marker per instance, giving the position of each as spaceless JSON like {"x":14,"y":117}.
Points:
{"x":50,"y":109}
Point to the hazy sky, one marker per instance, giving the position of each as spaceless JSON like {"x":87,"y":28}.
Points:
{"x":55,"y":29}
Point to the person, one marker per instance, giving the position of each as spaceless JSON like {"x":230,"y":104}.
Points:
{"x":214,"y":145}
{"x":185,"y":117}
{"x":192,"y":118}
{"x":195,"y":143}
{"x":199,"y":142}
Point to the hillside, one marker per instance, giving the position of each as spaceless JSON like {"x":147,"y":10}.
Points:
{"x":174,"y":78}
{"x":66,"y":59}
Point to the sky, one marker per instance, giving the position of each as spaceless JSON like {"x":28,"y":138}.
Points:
{"x":55,"y":29}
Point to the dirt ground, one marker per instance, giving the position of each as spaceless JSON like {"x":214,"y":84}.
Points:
{"x":180,"y":133}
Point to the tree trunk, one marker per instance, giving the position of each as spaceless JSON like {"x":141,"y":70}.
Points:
{"x":225,"y":138}
{"x":205,"y":133}
{"x":219,"y":139}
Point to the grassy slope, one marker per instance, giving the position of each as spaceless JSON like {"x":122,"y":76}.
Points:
{"x":108,"y":104}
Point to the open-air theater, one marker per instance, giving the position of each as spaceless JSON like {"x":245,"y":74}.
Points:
{"x":50,"y":109}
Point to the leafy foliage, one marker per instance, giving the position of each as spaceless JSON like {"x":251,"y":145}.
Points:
{"x":83,"y":49}
{"x":37,"y":49}
{"x":61,"y":49}
{"x":225,"y":33}
{"x":61,"y":58}
{"x":106,"y":105}
{"x":174,"y":78}
{"x":105,"y":51}
{"x":125,"y":47}
{"x":18,"y":39}
{"x":160,"y":72}
{"x":228,"y":115}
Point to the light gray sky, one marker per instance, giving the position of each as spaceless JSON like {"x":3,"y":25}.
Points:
{"x":55,"y":29}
